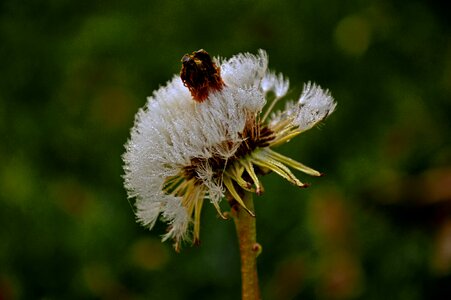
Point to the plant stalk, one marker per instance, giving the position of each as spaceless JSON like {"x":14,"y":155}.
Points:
{"x":249,"y":248}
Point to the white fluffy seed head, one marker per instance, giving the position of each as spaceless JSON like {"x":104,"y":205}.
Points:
{"x":245,"y":70}
{"x":172,"y":129}
{"x":314,"y":105}
{"x":276,"y":83}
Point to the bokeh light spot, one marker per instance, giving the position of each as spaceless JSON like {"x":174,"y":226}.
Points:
{"x":149,"y":254}
{"x":353,"y":35}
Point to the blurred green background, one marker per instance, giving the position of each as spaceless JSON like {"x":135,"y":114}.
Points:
{"x":378,"y":226}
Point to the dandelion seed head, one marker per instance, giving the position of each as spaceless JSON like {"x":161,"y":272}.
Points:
{"x":201,"y":136}
{"x":314,"y":105}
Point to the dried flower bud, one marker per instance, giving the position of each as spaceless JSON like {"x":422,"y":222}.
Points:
{"x":200,"y":75}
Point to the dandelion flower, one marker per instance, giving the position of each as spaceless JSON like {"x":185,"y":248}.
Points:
{"x":206,"y":135}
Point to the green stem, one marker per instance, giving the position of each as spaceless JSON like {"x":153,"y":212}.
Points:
{"x":249,"y":249}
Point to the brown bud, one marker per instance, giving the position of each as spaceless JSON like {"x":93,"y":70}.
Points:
{"x":200,"y":75}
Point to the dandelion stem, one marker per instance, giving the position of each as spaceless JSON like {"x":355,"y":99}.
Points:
{"x":249,"y":248}
{"x":270,"y":108}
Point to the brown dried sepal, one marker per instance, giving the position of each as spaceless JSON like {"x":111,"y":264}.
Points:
{"x":200,"y":75}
